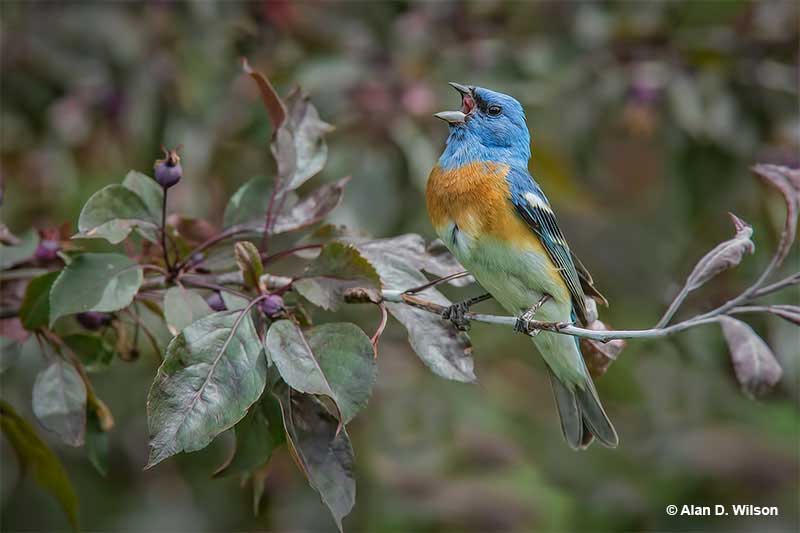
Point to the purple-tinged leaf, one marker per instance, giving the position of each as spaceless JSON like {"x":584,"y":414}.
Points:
{"x":311,"y":209}
{"x":336,"y":269}
{"x":308,"y":135}
{"x":257,"y":435}
{"x":335,"y":360}
{"x":724,"y":256}
{"x":213,"y":371}
{"x":322,"y":449}
{"x":787,"y":181}
{"x":248,"y":260}
{"x":753,"y":361}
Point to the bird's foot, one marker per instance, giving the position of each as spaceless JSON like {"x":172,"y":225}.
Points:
{"x":524,"y":323}
{"x":456,"y":314}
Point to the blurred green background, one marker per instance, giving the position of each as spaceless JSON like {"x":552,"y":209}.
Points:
{"x":645,"y":118}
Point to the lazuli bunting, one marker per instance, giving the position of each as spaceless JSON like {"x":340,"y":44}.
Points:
{"x":496,"y":220}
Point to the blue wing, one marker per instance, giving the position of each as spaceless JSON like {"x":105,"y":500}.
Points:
{"x":532,"y":206}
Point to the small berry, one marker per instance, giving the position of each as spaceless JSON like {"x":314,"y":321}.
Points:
{"x":168,"y":171}
{"x":271,"y":305}
{"x":216,"y":302}
{"x":93,"y":320}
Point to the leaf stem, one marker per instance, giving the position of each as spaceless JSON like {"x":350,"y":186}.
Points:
{"x":164,"y":229}
{"x":283,"y":253}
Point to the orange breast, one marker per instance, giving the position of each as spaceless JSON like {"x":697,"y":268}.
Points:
{"x":476,"y":198}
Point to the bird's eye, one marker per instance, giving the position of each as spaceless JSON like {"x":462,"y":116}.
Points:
{"x":494,"y":110}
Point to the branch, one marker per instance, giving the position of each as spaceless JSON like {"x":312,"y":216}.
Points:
{"x":564,"y":328}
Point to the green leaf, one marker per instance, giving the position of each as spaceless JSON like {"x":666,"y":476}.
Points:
{"x":97,"y":445}
{"x":93,"y":352}
{"x":213,"y":371}
{"x":34,"y":455}
{"x":150,"y":192}
{"x":249,"y":262}
{"x":337,"y":268}
{"x":35,"y":309}
{"x":399,"y":260}
{"x":323,"y":450}
{"x":113,"y":212}
{"x":59,"y":401}
{"x":95,"y":282}
{"x":233,"y":302}
{"x":257,"y":435}
{"x":248,"y":203}
{"x":183,"y":307}
{"x":11,"y":255}
{"x":336,"y":360}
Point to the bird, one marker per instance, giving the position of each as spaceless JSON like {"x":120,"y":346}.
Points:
{"x":494,"y":217}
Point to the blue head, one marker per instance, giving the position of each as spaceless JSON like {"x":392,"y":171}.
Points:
{"x":490,"y":126}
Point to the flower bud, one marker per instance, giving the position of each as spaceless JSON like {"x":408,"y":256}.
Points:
{"x":93,"y":320}
{"x":168,"y":171}
{"x":271,"y":305}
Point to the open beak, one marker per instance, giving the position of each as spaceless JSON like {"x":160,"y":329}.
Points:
{"x":467,"y":106}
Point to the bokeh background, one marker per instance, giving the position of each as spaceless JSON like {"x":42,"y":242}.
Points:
{"x":645,"y":119}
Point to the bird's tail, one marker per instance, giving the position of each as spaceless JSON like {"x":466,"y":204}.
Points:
{"x":582,"y":416}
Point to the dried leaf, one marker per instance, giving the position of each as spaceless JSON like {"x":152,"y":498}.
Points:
{"x":272,"y":102}
{"x":599,"y":355}
{"x":756,"y":367}
{"x":724,"y":256}
{"x":787,"y":181}
{"x":248,"y":260}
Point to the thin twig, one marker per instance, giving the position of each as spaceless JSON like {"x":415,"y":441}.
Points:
{"x":164,"y":230}
{"x":382,"y":326}
{"x":265,"y":258}
{"x":208,"y":243}
{"x":437,"y":281}
{"x":564,"y":328}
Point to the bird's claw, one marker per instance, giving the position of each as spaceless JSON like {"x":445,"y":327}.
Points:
{"x":456,"y":314}
{"x":524,"y":323}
